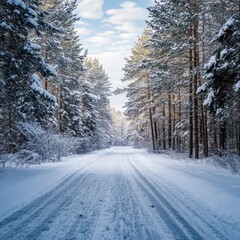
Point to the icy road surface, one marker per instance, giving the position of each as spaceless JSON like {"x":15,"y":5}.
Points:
{"x":122,"y":194}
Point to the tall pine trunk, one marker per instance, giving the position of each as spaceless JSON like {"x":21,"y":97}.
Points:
{"x":164,"y":127}
{"x":174,"y":123}
{"x":238,"y":137}
{"x":204,"y":116}
{"x":223,"y":136}
{"x":196,"y":80}
{"x":169,"y":118}
{"x":190,"y":98}
{"x":151,"y":116}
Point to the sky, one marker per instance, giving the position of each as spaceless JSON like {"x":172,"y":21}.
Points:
{"x":108,"y":29}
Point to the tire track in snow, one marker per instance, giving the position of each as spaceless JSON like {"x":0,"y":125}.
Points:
{"x":37,"y":205}
{"x":152,"y":227}
{"x":15,"y":223}
{"x":80,"y":224}
{"x":51,"y":225}
{"x":43,"y":215}
{"x":204,"y":220}
{"x":132,"y":209}
{"x":124,"y":216}
{"x":163,"y":194}
{"x":174,"y":220}
{"x":132,"y":219}
{"x":91,"y":202}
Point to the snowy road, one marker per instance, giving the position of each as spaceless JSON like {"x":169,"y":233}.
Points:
{"x":119,"y":195}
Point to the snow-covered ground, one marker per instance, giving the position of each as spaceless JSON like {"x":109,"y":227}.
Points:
{"x":119,"y":193}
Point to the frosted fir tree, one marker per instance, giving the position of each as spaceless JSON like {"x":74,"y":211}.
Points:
{"x":138,"y":77}
{"x":169,"y":43}
{"x":65,"y":52}
{"x":21,"y":67}
{"x":95,"y":105}
{"x":120,"y":128}
{"x":222,"y":72}
{"x":104,"y":132}
{"x":169,"y":21}
{"x":89,"y":112}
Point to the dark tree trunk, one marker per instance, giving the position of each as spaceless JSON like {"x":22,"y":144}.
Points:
{"x":179,"y":116}
{"x":169,"y":118}
{"x":195,"y":85}
{"x":223,"y":136}
{"x":238,"y":137}
{"x":60,"y":109}
{"x":46,"y":82}
{"x":174,"y":123}
{"x":204,"y":116}
{"x":151,"y":117}
{"x":206,"y":150}
{"x":190,"y":102}
{"x":215,"y":142}
{"x":156,"y":136}
{"x":164,"y":127}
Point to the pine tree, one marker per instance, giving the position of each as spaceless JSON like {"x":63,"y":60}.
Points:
{"x":89,"y":112}
{"x":65,"y":52}
{"x":140,"y":104}
{"x":222,"y":78}
{"x":120,"y":128}
{"x":167,"y":61}
{"x":21,"y":66}
{"x":95,"y":105}
{"x":222,"y":73}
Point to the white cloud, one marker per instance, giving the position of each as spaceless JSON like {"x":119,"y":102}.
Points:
{"x":129,"y":12}
{"x":98,"y":40}
{"x":128,"y":36}
{"x":123,"y":42}
{"x":102,"y":38}
{"x":91,"y":9}
{"x":108,"y":33}
{"x":83,"y":31}
{"x":128,"y":21}
{"x":81,"y":23}
{"x":128,"y":27}
{"x":128,"y":4}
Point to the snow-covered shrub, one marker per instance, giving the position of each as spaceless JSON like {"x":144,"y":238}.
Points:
{"x":83,"y":145}
{"x":26,"y":157}
{"x":62,"y":146}
{"x":45,"y":144}
{"x":20,"y":158}
{"x":5,"y":159}
{"x":228,"y":161}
